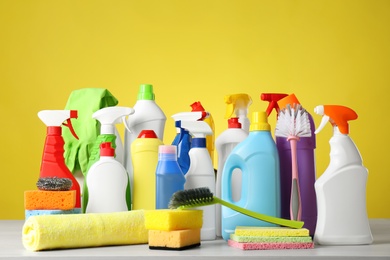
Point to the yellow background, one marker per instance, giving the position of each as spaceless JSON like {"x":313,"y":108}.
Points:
{"x":326,"y":52}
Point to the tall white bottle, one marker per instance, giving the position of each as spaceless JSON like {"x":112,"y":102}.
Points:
{"x":201,"y":170}
{"x":147,"y":116}
{"x":107,"y":182}
{"x":225,"y":143}
{"x":341,"y":190}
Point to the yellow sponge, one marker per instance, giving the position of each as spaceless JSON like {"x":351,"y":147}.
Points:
{"x":42,"y":199}
{"x":270,"y":231}
{"x":174,"y":240}
{"x":173,"y":219}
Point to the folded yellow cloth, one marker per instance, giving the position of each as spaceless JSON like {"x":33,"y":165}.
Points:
{"x":84,"y":230}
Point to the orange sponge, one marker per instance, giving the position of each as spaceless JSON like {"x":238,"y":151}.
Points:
{"x":174,"y":240}
{"x":40,"y":199}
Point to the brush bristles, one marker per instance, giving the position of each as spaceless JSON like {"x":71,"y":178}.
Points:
{"x":293,"y":122}
{"x":191,"y":198}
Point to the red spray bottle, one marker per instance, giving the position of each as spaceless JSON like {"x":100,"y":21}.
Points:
{"x":53,"y":162}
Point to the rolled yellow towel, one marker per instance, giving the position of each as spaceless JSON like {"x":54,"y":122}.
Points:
{"x":84,"y":230}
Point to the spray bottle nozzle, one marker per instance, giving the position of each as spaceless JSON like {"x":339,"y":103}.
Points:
{"x":238,"y":104}
{"x":69,"y":124}
{"x":73,"y":114}
{"x":197,"y":107}
{"x":109,"y":116}
{"x":193,"y":122}
{"x":273,"y":99}
{"x":58,"y":117}
{"x":336,"y":115}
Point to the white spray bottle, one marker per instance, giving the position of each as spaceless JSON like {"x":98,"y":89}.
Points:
{"x":107,"y":181}
{"x":108,"y":118}
{"x":341,"y":190}
{"x":238,"y":104}
{"x":201,"y":170}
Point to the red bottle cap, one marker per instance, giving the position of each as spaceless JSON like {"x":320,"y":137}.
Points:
{"x":147,"y":134}
{"x":106,"y":149}
{"x":233,"y":123}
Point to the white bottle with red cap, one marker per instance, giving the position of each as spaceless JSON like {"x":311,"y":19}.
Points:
{"x":107,"y":182}
{"x":225,"y":143}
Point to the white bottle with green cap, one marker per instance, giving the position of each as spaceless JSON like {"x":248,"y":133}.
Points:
{"x":147,"y":116}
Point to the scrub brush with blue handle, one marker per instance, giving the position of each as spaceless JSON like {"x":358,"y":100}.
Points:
{"x":293,"y":123}
{"x":198,"y":197}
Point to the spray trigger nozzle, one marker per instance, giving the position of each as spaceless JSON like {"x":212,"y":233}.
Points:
{"x":126,"y":124}
{"x":324,"y":121}
{"x":70,"y":126}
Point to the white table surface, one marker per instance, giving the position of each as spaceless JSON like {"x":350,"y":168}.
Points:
{"x":11,"y":247}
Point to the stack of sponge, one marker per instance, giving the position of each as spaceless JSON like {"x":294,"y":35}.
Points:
{"x":266,"y":238}
{"x":173,"y":229}
{"x":52,"y":197}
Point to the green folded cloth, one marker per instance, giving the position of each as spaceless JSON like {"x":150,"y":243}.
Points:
{"x":86,"y":101}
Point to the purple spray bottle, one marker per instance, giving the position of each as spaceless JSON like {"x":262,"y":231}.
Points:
{"x":306,"y":165}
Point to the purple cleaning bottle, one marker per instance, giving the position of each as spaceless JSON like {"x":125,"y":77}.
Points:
{"x":307,"y":174}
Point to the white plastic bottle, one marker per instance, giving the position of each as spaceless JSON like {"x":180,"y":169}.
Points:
{"x":225,"y":143}
{"x":148,"y":115}
{"x":201,"y":170}
{"x":108,"y":117}
{"x":107,"y":181}
{"x":341,"y":190}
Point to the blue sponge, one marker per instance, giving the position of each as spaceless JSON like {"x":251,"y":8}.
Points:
{"x":38,"y":212}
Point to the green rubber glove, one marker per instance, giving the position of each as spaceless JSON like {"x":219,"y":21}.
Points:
{"x":86,"y":101}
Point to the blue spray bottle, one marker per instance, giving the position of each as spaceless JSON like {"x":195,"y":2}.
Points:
{"x":257,"y":158}
{"x":183,"y":142}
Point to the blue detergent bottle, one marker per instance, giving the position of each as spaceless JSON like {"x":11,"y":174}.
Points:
{"x":169,"y":176}
{"x":257,"y":158}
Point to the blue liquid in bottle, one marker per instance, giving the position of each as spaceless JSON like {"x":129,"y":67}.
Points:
{"x":169,"y":176}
